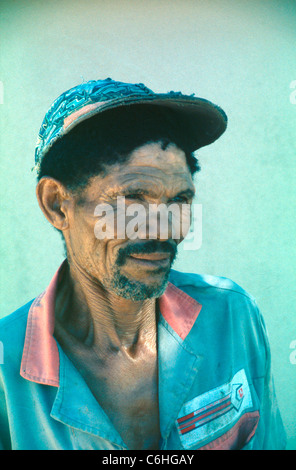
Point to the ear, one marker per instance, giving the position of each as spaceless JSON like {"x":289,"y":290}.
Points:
{"x":54,"y":201}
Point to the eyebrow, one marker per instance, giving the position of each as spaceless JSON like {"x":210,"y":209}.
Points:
{"x":190,"y":193}
{"x":131,"y":190}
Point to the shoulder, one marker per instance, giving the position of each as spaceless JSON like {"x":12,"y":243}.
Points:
{"x":12,"y":333}
{"x":18,"y":317}
{"x":209,"y":285}
{"x":229,"y":321}
{"x":225,"y":304}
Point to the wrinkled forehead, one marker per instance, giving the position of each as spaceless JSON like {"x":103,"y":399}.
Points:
{"x":151,"y":161}
{"x":150,"y":169}
{"x":154,"y":156}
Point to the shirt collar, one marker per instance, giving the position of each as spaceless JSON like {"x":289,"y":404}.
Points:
{"x":40,"y":360}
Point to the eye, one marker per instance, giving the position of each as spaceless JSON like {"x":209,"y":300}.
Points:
{"x":134,"y":196}
{"x":181,"y":199}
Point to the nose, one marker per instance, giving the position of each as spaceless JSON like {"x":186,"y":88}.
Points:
{"x":169,"y":222}
{"x":156,"y":221}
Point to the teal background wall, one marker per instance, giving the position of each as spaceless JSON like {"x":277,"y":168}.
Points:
{"x":239,"y":54}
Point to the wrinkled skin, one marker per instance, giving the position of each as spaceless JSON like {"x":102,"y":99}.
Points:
{"x":109,"y":335}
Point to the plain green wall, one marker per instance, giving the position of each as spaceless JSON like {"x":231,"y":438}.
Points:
{"x":240,"y":55}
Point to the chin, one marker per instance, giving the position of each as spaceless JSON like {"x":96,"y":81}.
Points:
{"x":136,"y":290}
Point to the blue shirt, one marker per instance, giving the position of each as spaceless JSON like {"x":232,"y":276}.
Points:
{"x":215,"y":384}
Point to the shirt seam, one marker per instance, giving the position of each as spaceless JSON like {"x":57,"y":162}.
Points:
{"x":244,"y":294}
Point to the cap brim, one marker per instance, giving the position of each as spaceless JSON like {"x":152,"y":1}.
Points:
{"x":204,"y":121}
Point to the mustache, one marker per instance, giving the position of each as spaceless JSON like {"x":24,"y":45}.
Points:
{"x":151,"y":246}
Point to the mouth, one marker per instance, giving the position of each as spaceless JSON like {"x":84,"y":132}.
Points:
{"x":151,"y":260}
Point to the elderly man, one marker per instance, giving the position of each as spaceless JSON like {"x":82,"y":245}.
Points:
{"x":121,"y":351}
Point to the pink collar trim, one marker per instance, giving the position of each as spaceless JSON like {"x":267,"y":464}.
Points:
{"x":40,"y":360}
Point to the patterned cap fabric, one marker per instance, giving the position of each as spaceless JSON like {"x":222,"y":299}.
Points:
{"x":205,"y":121}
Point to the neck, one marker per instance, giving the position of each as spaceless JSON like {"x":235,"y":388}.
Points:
{"x":102,"y":319}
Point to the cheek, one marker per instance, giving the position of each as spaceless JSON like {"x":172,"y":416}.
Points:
{"x":101,"y":256}
{"x":93,"y":255}
{"x":82,"y":237}
{"x":186,"y":217}
{"x":83,"y":245}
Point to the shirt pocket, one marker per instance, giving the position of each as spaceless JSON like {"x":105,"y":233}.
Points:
{"x":224,"y":418}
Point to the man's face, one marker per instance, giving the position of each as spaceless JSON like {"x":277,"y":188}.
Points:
{"x":131,"y":268}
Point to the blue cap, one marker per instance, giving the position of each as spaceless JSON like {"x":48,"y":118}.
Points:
{"x":204,"y":120}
